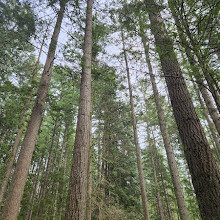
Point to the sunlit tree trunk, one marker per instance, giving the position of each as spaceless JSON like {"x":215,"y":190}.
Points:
{"x":76,"y":199}
{"x":138,"y":150}
{"x":202,"y":165}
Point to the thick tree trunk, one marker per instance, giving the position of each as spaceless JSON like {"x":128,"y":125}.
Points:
{"x":16,"y":190}
{"x":48,"y":169}
{"x":204,"y":171}
{"x":20,"y":130}
{"x":76,"y":200}
{"x":166,"y":140}
{"x":138,"y":150}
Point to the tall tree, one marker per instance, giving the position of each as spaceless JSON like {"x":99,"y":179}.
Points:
{"x":16,"y":190}
{"x":136,"y":141}
{"x":76,"y":200}
{"x":203,"y":168}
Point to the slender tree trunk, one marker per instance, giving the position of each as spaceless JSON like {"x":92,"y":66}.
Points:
{"x":159,"y":201}
{"x":60,"y":211}
{"x":32,"y":198}
{"x":166,"y":197}
{"x":138,"y":150}
{"x":16,"y":190}
{"x":20,"y":130}
{"x":166,"y":140}
{"x":48,"y":169}
{"x":203,"y":168}
{"x":211,"y":107}
{"x":76,"y":200}
{"x":212,"y":130}
{"x":58,"y":180}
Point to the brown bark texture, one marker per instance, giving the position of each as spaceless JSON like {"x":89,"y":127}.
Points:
{"x":20,"y":130}
{"x":166,"y":140}
{"x":202,"y":166}
{"x":76,"y":199}
{"x":137,"y":146}
{"x":16,"y":190}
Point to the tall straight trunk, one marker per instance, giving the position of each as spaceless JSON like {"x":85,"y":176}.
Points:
{"x":32,"y":198}
{"x":58,"y":170}
{"x":166,"y":140}
{"x":159,"y":201}
{"x":76,"y":200}
{"x":16,"y":190}
{"x":203,"y":168}
{"x":20,"y":130}
{"x":137,"y":146}
{"x":60,"y":211}
{"x":166,"y":196}
{"x":48,"y":169}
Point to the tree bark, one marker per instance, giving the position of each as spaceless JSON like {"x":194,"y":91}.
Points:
{"x":48,"y":169}
{"x":203,"y":168}
{"x":16,"y":190}
{"x":137,"y":146}
{"x":159,"y":201}
{"x":76,"y":200}
{"x":20,"y":130}
{"x":166,"y":140}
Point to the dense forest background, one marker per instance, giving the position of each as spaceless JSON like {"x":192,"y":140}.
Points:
{"x":109,"y":109}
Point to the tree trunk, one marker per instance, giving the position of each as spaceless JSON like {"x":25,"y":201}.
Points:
{"x":32,"y":198}
{"x":20,"y":130}
{"x":203,"y":168}
{"x":138,"y":150}
{"x":212,"y":130}
{"x":166,"y":140}
{"x":159,"y":201}
{"x":16,"y":190}
{"x":48,"y":169}
{"x":76,"y":200}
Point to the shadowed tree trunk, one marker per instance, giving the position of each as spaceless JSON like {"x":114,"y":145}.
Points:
{"x":20,"y":130}
{"x":48,"y":169}
{"x":138,"y":150}
{"x":159,"y":201}
{"x":76,"y":199}
{"x":203,"y":168}
{"x":16,"y":190}
{"x":166,"y":140}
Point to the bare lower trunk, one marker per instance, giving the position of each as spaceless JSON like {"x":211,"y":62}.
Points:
{"x":16,"y":190}
{"x":138,"y":150}
{"x":159,"y":201}
{"x":76,"y":200}
{"x":32,"y":198}
{"x":202,"y":165}
{"x":166,"y":197}
{"x":48,"y":169}
{"x":166,"y":140}
{"x":20,"y":131}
